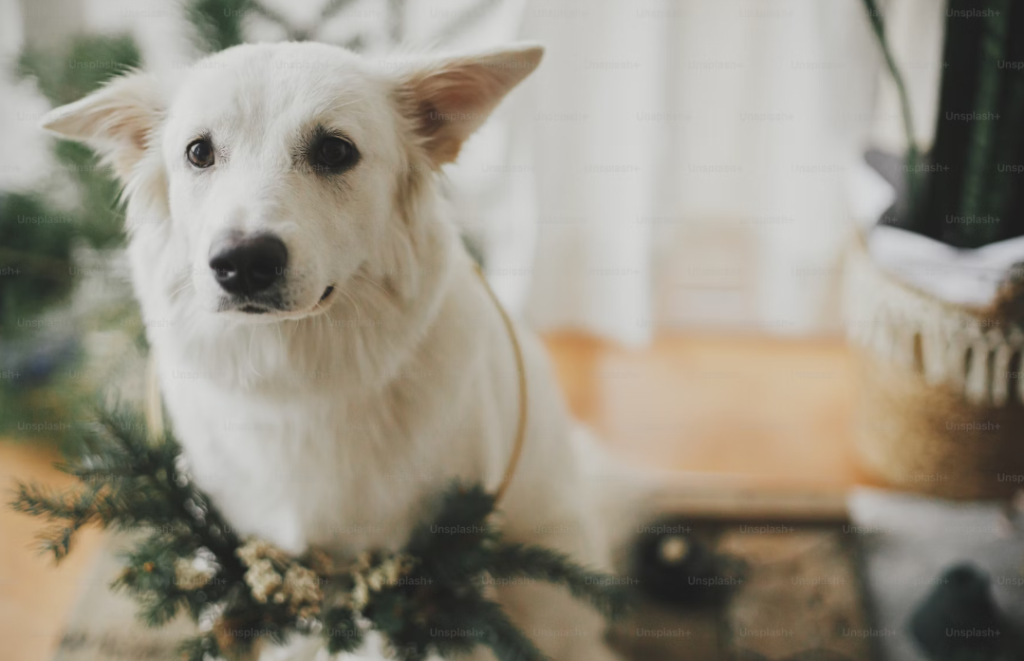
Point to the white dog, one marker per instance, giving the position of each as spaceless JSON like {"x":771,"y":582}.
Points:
{"x":328,"y":357}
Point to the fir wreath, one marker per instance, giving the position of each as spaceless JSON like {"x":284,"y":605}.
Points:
{"x":242,"y":591}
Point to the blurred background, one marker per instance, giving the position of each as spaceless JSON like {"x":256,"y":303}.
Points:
{"x":674,"y":165}
{"x":769,"y":241}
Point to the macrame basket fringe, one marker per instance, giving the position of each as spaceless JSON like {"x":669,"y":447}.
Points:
{"x":941,"y":398}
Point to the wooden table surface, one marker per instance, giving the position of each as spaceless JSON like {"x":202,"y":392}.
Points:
{"x":772,"y":409}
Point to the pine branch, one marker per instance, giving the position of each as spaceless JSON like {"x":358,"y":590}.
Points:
{"x":43,"y":502}
{"x":549,"y":566}
{"x":504,"y":638}
{"x":75,"y":507}
{"x":199,"y":648}
{"x":455,"y":545}
{"x":342,"y":632}
{"x":61,"y":81}
{"x":57,"y":541}
{"x":217,"y":23}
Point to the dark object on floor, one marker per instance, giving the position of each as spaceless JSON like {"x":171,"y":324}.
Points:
{"x":677,"y":568}
{"x":960,"y":621}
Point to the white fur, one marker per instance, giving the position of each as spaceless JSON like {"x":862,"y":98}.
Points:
{"x":337,"y":424}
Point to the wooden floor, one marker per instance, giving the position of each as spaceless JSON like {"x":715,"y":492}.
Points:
{"x":35,"y":595}
{"x":776,"y":410}
{"x":766,"y":408}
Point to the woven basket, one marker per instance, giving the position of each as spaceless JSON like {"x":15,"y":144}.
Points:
{"x":941,"y":394}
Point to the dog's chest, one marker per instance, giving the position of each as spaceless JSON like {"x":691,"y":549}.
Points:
{"x":301,"y":470}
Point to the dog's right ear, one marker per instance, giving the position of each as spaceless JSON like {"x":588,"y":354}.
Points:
{"x":116,"y":120}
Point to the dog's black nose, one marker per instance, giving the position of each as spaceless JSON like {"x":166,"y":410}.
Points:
{"x":249,"y":265}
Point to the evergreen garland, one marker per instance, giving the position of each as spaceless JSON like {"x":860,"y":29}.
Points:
{"x":428,"y":599}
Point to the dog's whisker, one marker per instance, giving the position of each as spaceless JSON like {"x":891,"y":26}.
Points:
{"x":280,"y":338}
{"x":359,"y":314}
{"x":180,"y":290}
{"x":252,"y":363}
{"x":344,"y":105}
{"x":373,"y":282}
{"x":323,"y":328}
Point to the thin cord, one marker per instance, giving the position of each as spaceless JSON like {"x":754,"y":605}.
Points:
{"x":517,"y":449}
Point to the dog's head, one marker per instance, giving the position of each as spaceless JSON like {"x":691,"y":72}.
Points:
{"x":278,"y":172}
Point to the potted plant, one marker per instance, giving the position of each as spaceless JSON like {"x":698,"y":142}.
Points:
{"x":934,"y":302}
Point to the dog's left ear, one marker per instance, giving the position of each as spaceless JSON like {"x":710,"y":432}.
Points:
{"x":116,"y":120}
{"x":449,"y":98}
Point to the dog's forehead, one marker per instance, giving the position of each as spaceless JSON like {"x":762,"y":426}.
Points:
{"x":281,"y":84}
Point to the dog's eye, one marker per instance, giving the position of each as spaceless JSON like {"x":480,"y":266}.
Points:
{"x":332,"y":154}
{"x":200,"y":153}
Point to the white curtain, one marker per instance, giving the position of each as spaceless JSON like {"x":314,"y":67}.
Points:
{"x":698,"y":164}
{"x":692,"y":162}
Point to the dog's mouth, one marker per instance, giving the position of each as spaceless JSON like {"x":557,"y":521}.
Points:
{"x":260,"y":304}
{"x":251,"y":307}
